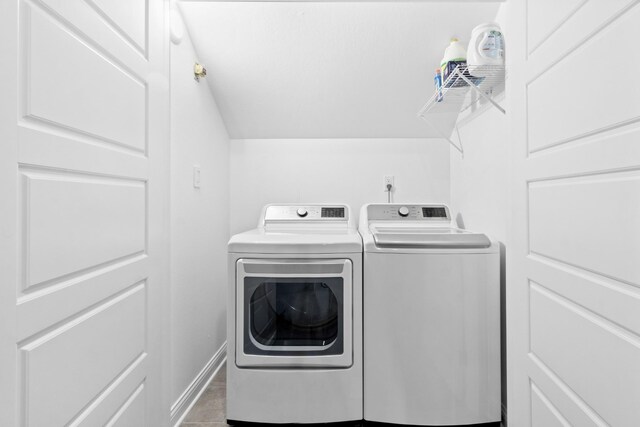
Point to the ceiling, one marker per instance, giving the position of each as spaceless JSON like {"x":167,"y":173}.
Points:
{"x":326,"y":69}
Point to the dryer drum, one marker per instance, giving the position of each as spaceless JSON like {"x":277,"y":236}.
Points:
{"x":310,"y":305}
{"x":294,"y":314}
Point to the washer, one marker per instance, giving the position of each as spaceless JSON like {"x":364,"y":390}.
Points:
{"x":294,"y":323}
{"x":431,"y":318}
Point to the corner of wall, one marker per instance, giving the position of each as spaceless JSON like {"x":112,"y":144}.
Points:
{"x":199,"y":231}
{"x":191,"y":394}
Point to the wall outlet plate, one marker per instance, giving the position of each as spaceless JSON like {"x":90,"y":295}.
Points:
{"x":388,"y":179}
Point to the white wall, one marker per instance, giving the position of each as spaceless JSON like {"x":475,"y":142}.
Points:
{"x":199,"y":225}
{"x":479,"y":193}
{"x":479,"y":181}
{"x":333,"y":170}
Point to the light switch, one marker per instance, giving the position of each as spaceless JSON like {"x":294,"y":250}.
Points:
{"x":196,"y":176}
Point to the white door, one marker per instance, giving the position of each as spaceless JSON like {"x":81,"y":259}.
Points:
{"x":573,"y":293}
{"x":84,"y":183}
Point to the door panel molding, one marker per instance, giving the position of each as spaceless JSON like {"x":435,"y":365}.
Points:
{"x":78,"y":19}
{"x":586,"y":21}
{"x":136,"y":30}
{"x":534,"y":42}
{"x":556,"y":98}
{"x":580,"y":220}
{"x":66,"y":315}
{"x":595,"y":372}
{"x":614,"y":150}
{"x":43,"y":146}
{"x":615,"y":301}
{"x":120,"y":120}
{"x":110,"y":336}
{"x":132,"y":412}
{"x":88,"y":222}
{"x":543,"y":412}
{"x":572,"y":406}
{"x":108,"y":404}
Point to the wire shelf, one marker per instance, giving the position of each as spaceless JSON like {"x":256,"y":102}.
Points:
{"x":466,"y":86}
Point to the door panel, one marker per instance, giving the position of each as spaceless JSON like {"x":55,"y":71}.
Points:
{"x":95,"y":346}
{"x":616,"y":301}
{"x":586,"y":352}
{"x":573,"y":289}
{"x":75,"y":222}
{"x":561,"y":107}
{"x":49,"y":80}
{"x":84,"y":165}
{"x":571,"y":220}
{"x":569,"y":23}
{"x":559,"y":395}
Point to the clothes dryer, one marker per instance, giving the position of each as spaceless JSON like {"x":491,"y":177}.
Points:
{"x":294,"y":324}
{"x":431,"y":318}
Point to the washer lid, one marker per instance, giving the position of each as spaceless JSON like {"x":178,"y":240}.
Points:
{"x":427,"y":237}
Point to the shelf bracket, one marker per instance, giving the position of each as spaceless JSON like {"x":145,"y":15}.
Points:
{"x":479,"y":92}
{"x":458,"y":146}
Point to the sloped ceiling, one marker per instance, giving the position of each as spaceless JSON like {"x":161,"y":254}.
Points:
{"x":326,"y":69}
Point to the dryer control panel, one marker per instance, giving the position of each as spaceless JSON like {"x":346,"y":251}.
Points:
{"x":396,"y":212}
{"x":306,"y":213}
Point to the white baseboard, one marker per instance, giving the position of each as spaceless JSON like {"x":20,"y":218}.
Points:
{"x":190,"y":396}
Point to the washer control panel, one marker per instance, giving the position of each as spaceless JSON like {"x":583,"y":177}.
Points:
{"x":395,"y":212}
{"x":306,"y":213}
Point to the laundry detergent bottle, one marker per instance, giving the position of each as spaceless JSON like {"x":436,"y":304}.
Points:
{"x":454,"y":55}
{"x":486,"y":47}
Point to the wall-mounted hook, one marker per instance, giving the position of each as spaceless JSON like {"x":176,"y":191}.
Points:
{"x":199,"y":71}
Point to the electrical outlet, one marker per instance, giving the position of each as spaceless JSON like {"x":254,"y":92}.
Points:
{"x":388,"y":180}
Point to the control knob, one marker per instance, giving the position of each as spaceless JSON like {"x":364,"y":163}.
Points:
{"x":302,"y":212}
{"x":403,"y":211}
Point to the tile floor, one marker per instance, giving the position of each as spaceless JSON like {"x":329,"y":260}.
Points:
{"x":210,"y":409}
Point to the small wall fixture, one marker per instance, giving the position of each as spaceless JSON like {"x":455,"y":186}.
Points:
{"x":199,"y":71}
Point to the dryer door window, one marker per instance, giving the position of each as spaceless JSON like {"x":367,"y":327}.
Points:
{"x":293,"y":315}
{"x":294,"y":312}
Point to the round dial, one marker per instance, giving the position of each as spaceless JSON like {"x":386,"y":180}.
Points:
{"x":302,"y":212}
{"x":403,"y":211}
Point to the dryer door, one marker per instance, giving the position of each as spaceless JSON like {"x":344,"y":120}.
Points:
{"x":294,"y":313}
